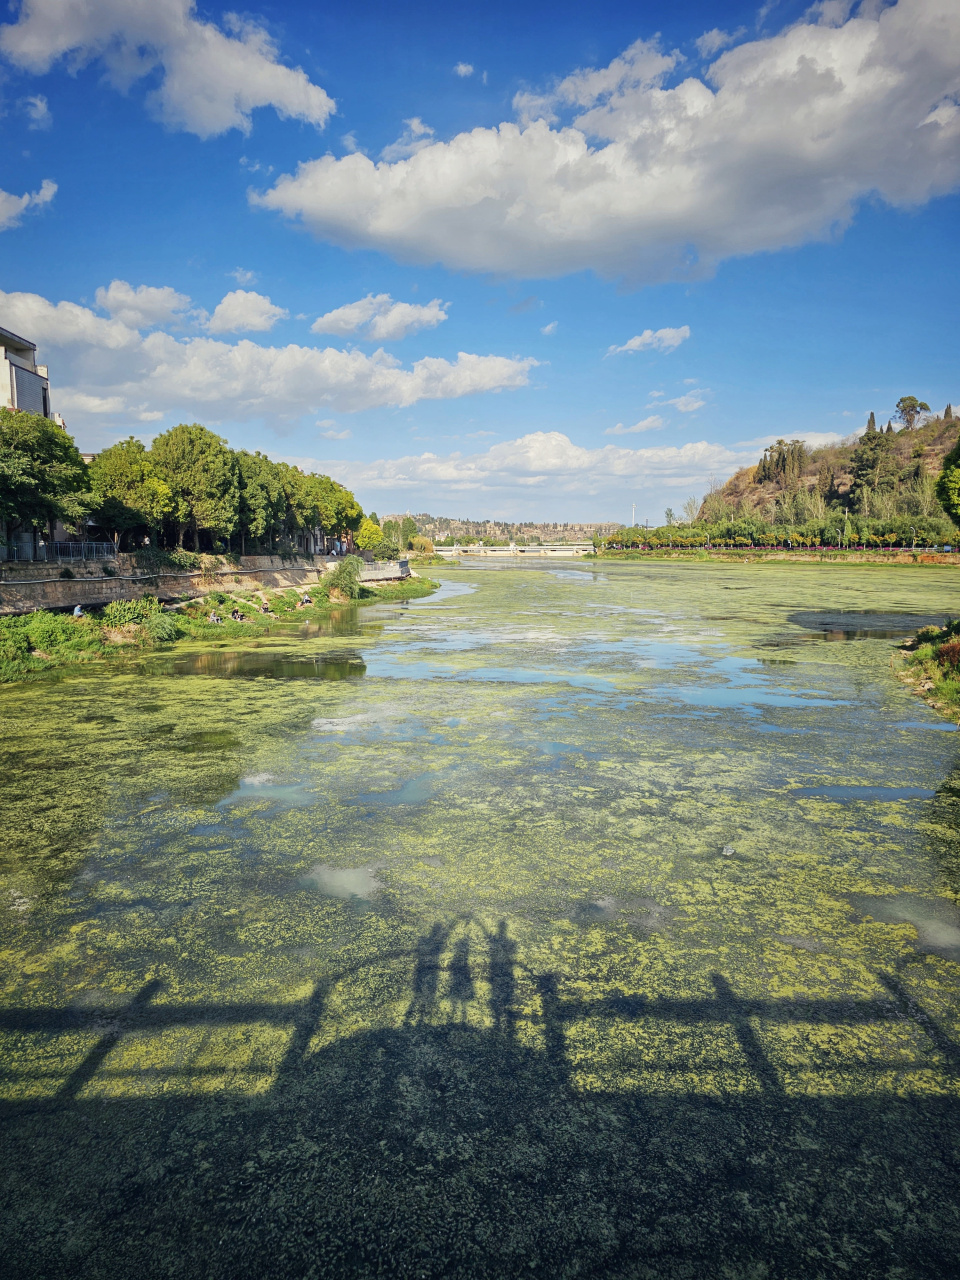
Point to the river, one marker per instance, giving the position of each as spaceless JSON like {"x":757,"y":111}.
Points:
{"x":574,"y":921}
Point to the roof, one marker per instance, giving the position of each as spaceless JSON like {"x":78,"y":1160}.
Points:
{"x":8,"y":339}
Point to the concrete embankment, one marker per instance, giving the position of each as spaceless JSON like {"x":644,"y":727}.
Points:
{"x":25,"y":587}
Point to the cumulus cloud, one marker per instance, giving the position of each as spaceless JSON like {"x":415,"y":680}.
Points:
{"x":550,"y":328}
{"x":815,"y":439}
{"x":244,"y":311}
{"x":463,"y":69}
{"x":688,"y":402}
{"x":620,"y":171}
{"x":242,"y":276}
{"x":37,"y":110}
{"x":653,"y":423}
{"x":380,"y":318}
{"x":332,"y":434}
{"x":12,"y":208}
{"x":543,"y":464}
{"x":109,"y":362}
{"x":210,"y":80}
{"x":712,"y":42}
{"x":654,"y":340}
{"x":414,"y":138}
{"x":143,"y":306}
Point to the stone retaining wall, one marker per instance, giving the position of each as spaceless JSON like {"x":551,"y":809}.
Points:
{"x":25,"y":587}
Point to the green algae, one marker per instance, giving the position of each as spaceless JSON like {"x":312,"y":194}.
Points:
{"x":484,"y":973}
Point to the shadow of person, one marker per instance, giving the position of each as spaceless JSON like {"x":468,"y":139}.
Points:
{"x":502,"y":964}
{"x":461,"y":990}
{"x":426,"y":973}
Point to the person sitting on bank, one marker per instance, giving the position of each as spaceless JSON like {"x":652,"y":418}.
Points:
{"x":237,"y":616}
{"x":304,"y":601}
{"x":265,"y":607}
{"x":214,"y":616}
{"x":78,"y":612}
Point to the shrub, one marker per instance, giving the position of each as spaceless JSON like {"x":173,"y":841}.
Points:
{"x":119,"y":612}
{"x":108,"y":571}
{"x":948,"y":655}
{"x":345,"y":578}
{"x":928,"y":633}
{"x":47,"y":631}
{"x":161,"y":627}
{"x":14,"y":646}
{"x":422,"y":546}
{"x":153,"y":559}
{"x":66,"y":573}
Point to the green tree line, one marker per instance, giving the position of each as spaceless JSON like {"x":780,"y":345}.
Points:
{"x":189,"y":489}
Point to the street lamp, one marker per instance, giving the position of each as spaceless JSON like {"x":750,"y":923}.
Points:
{"x":914,"y":532}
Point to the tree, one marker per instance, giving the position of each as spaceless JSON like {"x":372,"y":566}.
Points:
{"x":199,"y":468}
{"x":871,"y":423}
{"x":909,"y":409}
{"x":691,"y":508}
{"x":43,"y":479}
{"x":260,"y":499}
{"x":370,"y":535}
{"x":408,"y":531}
{"x":948,"y":484}
{"x":125,"y":490}
{"x":668,"y":515}
{"x":874,"y":469}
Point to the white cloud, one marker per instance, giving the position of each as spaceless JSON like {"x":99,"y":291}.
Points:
{"x":815,"y":439}
{"x":331,"y":434}
{"x":653,"y":423}
{"x":712,"y":42}
{"x":688,"y":402}
{"x":774,"y":147}
{"x":463,"y":69}
{"x":544,"y":465}
{"x":242,"y":276}
{"x":143,"y":306}
{"x":210,"y":81}
{"x":244,"y":311}
{"x":654,"y":340}
{"x":550,"y":328}
{"x":12,"y":207}
{"x":414,"y":138}
{"x":111,"y":362}
{"x":37,"y":110}
{"x":381,"y":319}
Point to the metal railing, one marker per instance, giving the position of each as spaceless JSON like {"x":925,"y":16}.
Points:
{"x":79,"y":550}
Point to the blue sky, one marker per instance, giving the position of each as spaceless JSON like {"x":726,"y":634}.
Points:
{"x":514,"y":261}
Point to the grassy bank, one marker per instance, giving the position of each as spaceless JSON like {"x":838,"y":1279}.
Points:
{"x":932,"y":667}
{"x":801,"y":555}
{"x":35,"y":643}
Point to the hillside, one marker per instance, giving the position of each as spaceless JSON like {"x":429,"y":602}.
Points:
{"x":880,"y":475}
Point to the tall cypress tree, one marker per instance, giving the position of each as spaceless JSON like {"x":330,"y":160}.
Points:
{"x":871,"y":423}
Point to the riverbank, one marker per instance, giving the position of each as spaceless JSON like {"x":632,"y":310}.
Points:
{"x":932,"y":668}
{"x":33,"y":644}
{"x":799,"y":555}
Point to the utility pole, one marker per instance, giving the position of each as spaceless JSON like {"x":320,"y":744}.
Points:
{"x":633,"y":517}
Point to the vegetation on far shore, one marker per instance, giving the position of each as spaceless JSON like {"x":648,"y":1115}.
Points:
{"x":879,"y":490}
{"x":34,"y":643}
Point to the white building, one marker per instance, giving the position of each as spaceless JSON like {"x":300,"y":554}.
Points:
{"x":24,"y":384}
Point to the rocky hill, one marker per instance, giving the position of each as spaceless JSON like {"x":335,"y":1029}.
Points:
{"x":879,"y":473}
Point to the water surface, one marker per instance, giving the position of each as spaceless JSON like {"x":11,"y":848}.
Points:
{"x":551,"y":926}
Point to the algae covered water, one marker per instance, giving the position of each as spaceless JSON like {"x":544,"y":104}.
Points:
{"x":570,"y":922}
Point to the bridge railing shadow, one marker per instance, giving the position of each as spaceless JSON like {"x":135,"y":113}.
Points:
{"x":444,"y":990}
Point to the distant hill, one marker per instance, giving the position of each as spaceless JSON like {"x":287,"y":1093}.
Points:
{"x":881,"y":474}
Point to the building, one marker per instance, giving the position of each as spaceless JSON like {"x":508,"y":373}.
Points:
{"x":24,"y":384}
